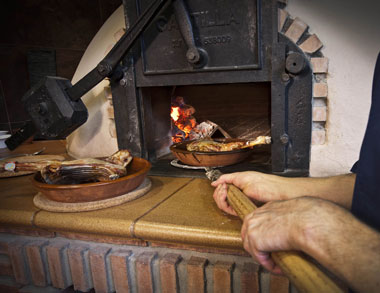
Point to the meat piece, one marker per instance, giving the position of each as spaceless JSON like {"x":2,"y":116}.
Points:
{"x":87,"y":170}
{"x":76,"y":171}
{"x":209,"y":145}
{"x":122,"y":158}
{"x":81,"y":171}
{"x":15,"y":166}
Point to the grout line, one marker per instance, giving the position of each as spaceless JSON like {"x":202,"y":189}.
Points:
{"x":132,"y":227}
{"x":33,"y":218}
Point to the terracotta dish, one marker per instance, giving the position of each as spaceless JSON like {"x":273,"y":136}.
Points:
{"x":210,"y":159}
{"x":137,"y":171}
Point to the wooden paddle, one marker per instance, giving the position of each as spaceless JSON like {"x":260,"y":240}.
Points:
{"x":302,"y":273}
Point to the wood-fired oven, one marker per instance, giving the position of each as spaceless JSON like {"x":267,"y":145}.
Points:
{"x":228,"y":61}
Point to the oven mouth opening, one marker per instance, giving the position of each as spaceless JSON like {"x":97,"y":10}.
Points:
{"x":240,"y":110}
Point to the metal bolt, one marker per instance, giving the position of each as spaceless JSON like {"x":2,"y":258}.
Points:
{"x":104,"y":68}
{"x":284,"y":138}
{"x":123,"y":82}
{"x":101,"y":68}
{"x":295,"y":63}
{"x":35,"y":108}
{"x":162,"y":23}
{"x":285,"y":77}
{"x":42,"y":110}
{"x":191,"y":55}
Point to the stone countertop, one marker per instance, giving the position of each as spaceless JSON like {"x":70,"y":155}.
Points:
{"x":179,"y":212}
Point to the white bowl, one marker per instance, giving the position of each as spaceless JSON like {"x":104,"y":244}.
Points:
{"x":3,"y":137}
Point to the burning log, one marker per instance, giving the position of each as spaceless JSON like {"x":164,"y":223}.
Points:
{"x":207,"y":129}
{"x":185,"y":126}
{"x":182,"y":119}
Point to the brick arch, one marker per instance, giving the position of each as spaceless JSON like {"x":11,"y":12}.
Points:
{"x":297,"y":31}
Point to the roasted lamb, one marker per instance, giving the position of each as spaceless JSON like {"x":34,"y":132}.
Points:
{"x":209,"y":145}
{"x":76,"y":171}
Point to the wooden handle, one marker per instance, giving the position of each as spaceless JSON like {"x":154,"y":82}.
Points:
{"x":303,"y":274}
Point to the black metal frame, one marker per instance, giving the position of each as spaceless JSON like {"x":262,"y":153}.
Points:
{"x":281,"y":62}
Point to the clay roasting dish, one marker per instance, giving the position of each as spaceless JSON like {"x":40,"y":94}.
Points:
{"x":210,"y":159}
{"x":136,"y":172}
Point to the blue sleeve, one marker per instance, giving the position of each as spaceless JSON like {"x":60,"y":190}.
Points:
{"x":366,"y":198}
{"x":354,"y":167}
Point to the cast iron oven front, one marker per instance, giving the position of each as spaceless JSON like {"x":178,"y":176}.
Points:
{"x":239,"y":43}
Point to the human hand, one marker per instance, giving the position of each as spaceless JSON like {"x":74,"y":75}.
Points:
{"x":220,"y":197}
{"x":287,"y":225}
{"x":258,"y":186}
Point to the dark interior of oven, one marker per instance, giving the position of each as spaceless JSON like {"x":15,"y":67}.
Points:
{"x":243,"y":110}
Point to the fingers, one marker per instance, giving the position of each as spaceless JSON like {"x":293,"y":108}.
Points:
{"x":226,"y":178}
{"x":238,"y":179}
{"x":220,"y":197}
{"x":250,"y":245}
{"x":267,"y":262}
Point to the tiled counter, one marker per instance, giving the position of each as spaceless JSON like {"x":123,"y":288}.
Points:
{"x":172,"y":238}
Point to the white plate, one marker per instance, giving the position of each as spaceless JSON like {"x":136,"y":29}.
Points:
{"x":3,"y":137}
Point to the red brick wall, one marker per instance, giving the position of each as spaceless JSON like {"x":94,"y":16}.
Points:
{"x":37,"y":262}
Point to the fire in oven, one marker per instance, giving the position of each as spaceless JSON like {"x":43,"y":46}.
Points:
{"x":213,"y":83}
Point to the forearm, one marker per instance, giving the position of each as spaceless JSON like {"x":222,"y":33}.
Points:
{"x":267,"y":187}
{"x":345,"y":246}
{"x":338,"y":189}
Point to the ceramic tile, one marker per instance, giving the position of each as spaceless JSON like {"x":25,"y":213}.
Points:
{"x":16,"y":201}
{"x":191,"y":217}
{"x":115,"y":221}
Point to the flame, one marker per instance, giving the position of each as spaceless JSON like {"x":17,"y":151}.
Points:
{"x":182,"y":120}
{"x":174,"y":113}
